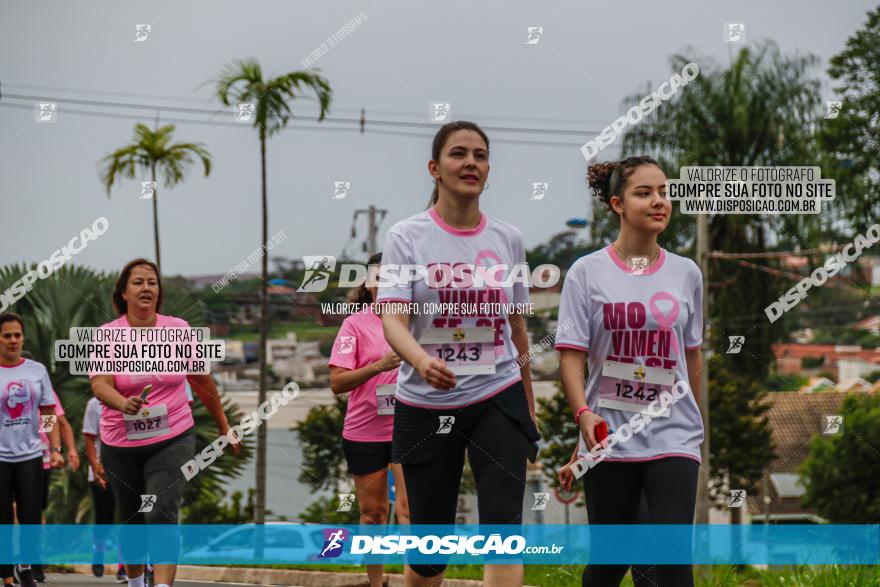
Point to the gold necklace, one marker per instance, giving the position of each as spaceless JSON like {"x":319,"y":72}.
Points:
{"x":628,"y":258}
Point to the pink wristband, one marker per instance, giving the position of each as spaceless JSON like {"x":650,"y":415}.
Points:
{"x":577,"y":415}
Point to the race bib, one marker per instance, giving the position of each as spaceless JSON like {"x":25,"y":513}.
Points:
{"x":631,"y":388}
{"x":385,"y":400}
{"x":466,"y":351}
{"x":149,"y":422}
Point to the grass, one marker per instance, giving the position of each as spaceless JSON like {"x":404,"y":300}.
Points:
{"x":706,"y":576}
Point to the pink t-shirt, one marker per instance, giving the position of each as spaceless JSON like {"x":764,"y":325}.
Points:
{"x":361,"y":341}
{"x":44,"y":438}
{"x":168,"y":396}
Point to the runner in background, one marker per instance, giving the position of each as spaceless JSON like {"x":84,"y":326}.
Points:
{"x":67,"y":439}
{"x":149,"y":463}
{"x":363,"y":365}
{"x":637,"y":316}
{"x":103,"y":505}
{"x":25,"y":396}
{"x":455,"y":398}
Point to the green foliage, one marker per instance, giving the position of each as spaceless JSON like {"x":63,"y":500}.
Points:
{"x":850,"y":141}
{"x":208,"y":508}
{"x":320,"y":436}
{"x":324,"y":511}
{"x":558,"y":432}
{"x":561,"y":249}
{"x":781,"y":382}
{"x":741,"y":445}
{"x":842,"y":472}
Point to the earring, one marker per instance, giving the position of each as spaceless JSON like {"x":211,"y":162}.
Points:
{"x":486,"y":187}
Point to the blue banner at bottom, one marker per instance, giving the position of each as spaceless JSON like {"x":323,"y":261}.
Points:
{"x":296,"y":543}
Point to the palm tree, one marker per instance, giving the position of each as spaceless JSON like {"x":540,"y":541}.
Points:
{"x":152,"y":151}
{"x":242,"y":83}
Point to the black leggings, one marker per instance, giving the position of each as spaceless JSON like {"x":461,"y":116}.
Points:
{"x":496,"y":450}
{"x":154,"y":470}
{"x":613,"y":493}
{"x":21,"y":483}
{"x":103,"y":508}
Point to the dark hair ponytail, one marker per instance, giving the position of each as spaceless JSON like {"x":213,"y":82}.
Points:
{"x":360,"y":294}
{"x":609,"y":179}
{"x":440,"y":139}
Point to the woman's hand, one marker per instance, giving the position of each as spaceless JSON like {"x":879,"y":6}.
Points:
{"x":436,"y":373}
{"x":100,"y":474}
{"x":234,"y":444}
{"x":588,"y":422}
{"x":131,"y":405}
{"x":566,"y":475}
{"x":56,"y":460}
{"x":388,"y":362}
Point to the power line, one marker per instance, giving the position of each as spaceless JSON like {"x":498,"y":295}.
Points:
{"x":329,"y":119}
{"x":68,"y":91}
{"x":299,"y":125}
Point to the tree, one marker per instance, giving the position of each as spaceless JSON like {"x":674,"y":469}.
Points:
{"x":80,"y":297}
{"x":841,"y":473}
{"x":242,"y":83}
{"x":742,"y":443}
{"x":559,"y":433}
{"x":152,"y":152}
{"x":850,"y":140}
{"x":753,"y":112}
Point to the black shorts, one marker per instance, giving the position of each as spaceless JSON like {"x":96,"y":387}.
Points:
{"x":364,"y":458}
{"x":415,"y":439}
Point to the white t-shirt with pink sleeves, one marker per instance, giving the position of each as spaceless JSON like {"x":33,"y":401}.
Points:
{"x":647,"y":320}
{"x":425,"y":239}
{"x":360,"y":342}
{"x":169,"y":390}
{"x":24,"y":389}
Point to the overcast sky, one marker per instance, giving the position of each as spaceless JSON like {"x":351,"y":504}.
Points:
{"x":402,"y":57}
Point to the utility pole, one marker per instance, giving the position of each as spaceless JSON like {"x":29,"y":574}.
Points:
{"x":372,"y":227}
{"x":703,"y":503}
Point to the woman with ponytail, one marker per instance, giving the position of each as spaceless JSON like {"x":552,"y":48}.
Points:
{"x":454,"y":397}
{"x":638,"y":320}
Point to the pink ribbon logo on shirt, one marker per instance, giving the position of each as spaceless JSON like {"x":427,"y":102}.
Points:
{"x":16,"y":398}
{"x":666,"y":321}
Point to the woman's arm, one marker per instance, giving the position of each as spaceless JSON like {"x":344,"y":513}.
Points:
{"x":343,"y":380}
{"x":66,"y":431}
{"x":103,"y":389}
{"x":54,"y":438}
{"x":432,"y":370}
{"x":520,"y":338}
{"x":92,"y":456}
{"x":694,"y":358}
{"x":571,"y":372}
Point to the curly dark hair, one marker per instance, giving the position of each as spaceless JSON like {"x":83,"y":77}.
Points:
{"x":609,"y":178}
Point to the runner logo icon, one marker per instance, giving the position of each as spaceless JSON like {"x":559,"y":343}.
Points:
{"x":333,"y":542}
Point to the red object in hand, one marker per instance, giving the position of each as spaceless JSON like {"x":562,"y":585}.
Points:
{"x":601,"y":431}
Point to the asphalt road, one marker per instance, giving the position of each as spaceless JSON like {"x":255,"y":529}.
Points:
{"x":109,"y":580}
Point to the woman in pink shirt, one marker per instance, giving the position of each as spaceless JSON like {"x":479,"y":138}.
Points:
{"x":146,"y":441}
{"x":363,"y":364}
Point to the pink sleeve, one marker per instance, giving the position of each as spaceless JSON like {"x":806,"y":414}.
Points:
{"x":59,"y":409}
{"x":344,"y":352}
